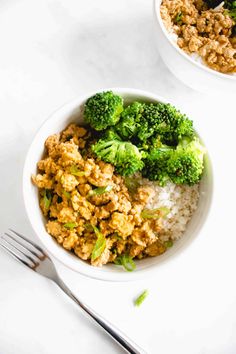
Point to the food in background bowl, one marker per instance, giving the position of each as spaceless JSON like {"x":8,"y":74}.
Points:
{"x":204,"y":29}
{"x":124,"y":185}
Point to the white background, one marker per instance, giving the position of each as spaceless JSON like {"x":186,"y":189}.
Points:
{"x":50,"y":52}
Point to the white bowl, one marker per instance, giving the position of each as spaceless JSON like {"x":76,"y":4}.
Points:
{"x":71,"y":112}
{"x":194,"y":74}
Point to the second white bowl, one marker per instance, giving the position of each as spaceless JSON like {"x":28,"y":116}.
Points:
{"x":194,"y":74}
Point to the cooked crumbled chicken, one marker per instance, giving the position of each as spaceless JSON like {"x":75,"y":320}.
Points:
{"x":155,"y":249}
{"x":43,"y":181}
{"x":122,"y":223}
{"x":68,"y":182}
{"x":84,"y":247}
{"x":143,"y":194}
{"x":206,"y":32}
{"x":66,"y":214}
{"x":70,"y":241}
{"x":66,"y":179}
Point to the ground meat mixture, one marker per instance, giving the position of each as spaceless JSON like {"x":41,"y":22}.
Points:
{"x":206,"y":32}
{"x":81,"y":197}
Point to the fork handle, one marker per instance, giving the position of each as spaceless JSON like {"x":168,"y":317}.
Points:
{"x":127,"y":344}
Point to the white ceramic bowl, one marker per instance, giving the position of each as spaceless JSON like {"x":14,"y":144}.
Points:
{"x":192,"y":73}
{"x":71,"y":112}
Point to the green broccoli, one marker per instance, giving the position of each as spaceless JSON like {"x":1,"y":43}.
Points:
{"x":185,"y":165}
{"x":165,"y":121}
{"x":129,"y":122}
{"x":110,"y":134}
{"x":155,"y":164}
{"x":230,"y":5}
{"x":103,"y":110}
{"x":125,"y":156}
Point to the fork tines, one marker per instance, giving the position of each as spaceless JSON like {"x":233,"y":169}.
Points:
{"x":21,"y":248}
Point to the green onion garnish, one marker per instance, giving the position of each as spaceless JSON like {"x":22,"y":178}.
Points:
{"x":164,"y":211}
{"x":132,"y":184}
{"x":141,"y":298}
{"x":100,"y":190}
{"x":126,"y":261}
{"x":75,"y":171}
{"x":88,"y":227}
{"x":178,"y":18}
{"x":70,"y":225}
{"x":232,"y":14}
{"x":168,"y":243}
{"x":100,"y":244}
{"x":155,"y":213}
{"x":66,"y":194}
{"x":116,"y":235}
{"x":47,"y":198}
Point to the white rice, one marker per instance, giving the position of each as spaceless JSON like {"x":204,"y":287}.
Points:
{"x":181,"y":200}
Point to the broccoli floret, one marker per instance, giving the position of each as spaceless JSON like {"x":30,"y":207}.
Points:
{"x":165,"y":121}
{"x":155,"y":164}
{"x":174,"y":125}
{"x":150,"y":121}
{"x":230,"y":5}
{"x":110,"y":134}
{"x":123,"y":155}
{"x":129,"y":122}
{"x":185,"y":165}
{"x":103,"y":110}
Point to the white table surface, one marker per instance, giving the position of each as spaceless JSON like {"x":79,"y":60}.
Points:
{"x":52,"y":51}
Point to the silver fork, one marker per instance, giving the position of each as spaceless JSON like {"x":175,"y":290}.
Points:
{"x":33,"y":256}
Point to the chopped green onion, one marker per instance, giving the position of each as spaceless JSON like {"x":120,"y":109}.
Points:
{"x":164,"y":211}
{"x":117,"y":236}
{"x":100,"y":244}
{"x":100,"y":190}
{"x":126,"y":261}
{"x":232,"y":14}
{"x":178,"y":18}
{"x":168,"y":243}
{"x":150,"y":214}
{"x":47,"y":198}
{"x":70,"y":225}
{"x":89,"y":227}
{"x":141,"y":298}
{"x":155,"y":213}
{"x":75,"y":171}
{"x":66,"y":194}
{"x":132,"y":184}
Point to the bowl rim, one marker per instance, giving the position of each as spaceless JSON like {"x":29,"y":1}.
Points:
{"x":156,"y":6}
{"x":93,"y":272}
